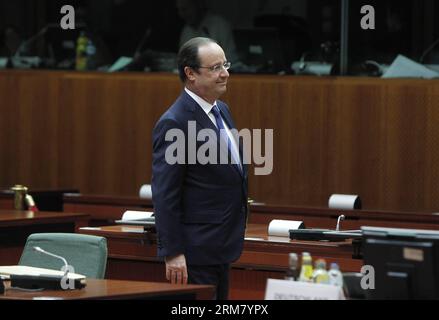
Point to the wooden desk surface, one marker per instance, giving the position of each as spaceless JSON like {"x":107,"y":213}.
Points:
{"x":16,"y":226}
{"x":261,"y":252}
{"x":17,"y":218}
{"x":264,"y":208}
{"x":267,"y":212}
{"x":132,"y":254}
{"x":78,"y":198}
{"x":255,"y":236}
{"x":106,"y":209}
{"x":115,"y":289}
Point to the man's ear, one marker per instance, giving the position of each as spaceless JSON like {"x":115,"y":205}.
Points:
{"x":190,"y":73}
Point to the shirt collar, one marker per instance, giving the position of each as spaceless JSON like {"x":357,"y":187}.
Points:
{"x":206,"y":106}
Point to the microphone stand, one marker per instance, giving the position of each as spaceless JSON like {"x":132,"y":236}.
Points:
{"x":43,"y":282}
{"x":428,"y":50}
{"x":340,"y":218}
{"x":145,"y":37}
{"x":32,"y":39}
{"x":38,"y":249}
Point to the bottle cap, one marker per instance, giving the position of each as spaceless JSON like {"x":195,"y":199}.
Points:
{"x":320,"y":264}
{"x":334,"y":265}
{"x":306,"y":257}
{"x":19,"y":188}
{"x":293,"y":259}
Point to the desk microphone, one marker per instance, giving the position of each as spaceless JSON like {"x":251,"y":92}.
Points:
{"x":38,"y":249}
{"x":340,"y":218}
{"x":428,"y":50}
{"x":25,"y":44}
{"x":144,"y":39}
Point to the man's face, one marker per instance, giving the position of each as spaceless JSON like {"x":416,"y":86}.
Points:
{"x":206,"y":83}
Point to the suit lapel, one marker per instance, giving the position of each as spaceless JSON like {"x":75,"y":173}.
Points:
{"x":204,"y":121}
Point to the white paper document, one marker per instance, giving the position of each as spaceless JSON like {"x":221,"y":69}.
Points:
{"x":32,"y":271}
{"x":403,"y":67}
{"x":136,"y":215}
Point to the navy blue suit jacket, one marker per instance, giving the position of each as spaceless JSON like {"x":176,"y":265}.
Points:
{"x":200,"y":209}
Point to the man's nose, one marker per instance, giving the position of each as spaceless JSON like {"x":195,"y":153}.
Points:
{"x":224,"y":73}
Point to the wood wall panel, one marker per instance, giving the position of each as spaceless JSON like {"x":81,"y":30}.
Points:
{"x":373,"y":137}
{"x":29,"y":129}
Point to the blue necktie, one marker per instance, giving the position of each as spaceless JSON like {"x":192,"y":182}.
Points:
{"x":220,"y":125}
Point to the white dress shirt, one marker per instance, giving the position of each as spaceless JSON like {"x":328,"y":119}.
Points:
{"x":207,"y":108}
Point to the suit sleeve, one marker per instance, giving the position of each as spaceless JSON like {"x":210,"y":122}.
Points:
{"x":167,"y":184}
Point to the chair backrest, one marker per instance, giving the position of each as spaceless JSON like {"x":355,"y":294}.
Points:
{"x":86,"y":254}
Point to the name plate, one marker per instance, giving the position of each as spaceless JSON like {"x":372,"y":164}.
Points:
{"x":293,"y":290}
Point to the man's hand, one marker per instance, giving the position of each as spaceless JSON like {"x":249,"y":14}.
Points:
{"x":176,"y":270}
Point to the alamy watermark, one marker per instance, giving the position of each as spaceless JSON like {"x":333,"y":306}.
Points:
{"x":208,"y":153}
{"x":368,"y":278}
{"x":67,"y":283}
{"x":368,"y":20}
{"x":68,"y":20}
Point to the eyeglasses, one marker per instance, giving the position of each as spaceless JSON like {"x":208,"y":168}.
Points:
{"x":219,"y":67}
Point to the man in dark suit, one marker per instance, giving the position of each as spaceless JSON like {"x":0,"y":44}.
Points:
{"x":200,"y":208}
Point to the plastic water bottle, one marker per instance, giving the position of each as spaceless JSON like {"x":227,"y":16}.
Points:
{"x":320,"y":275}
{"x":335,"y":275}
{"x":307,"y":270}
{"x":293,"y":269}
{"x":81,"y":52}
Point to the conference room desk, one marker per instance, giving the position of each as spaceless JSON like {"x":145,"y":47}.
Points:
{"x":117,"y":289}
{"x":132,"y":256}
{"x":45,"y":199}
{"x":16,"y":226}
{"x":6,"y":200}
{"x":316,"y":217}
{"x":105,"y":209}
